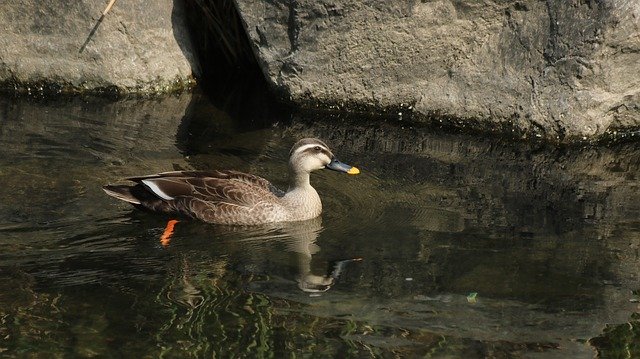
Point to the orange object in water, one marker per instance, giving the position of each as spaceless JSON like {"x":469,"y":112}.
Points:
{"x":165,"y":239}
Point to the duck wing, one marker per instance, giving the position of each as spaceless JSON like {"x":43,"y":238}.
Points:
{"x":208,"y":189}
{"x":227,"y":197}
{"x":235,"y":176}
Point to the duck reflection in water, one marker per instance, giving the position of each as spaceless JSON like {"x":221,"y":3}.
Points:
{"x":301,"y":239}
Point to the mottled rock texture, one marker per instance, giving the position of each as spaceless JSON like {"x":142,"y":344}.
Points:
{"x":561,"y":69}
{"x":139,"y":47}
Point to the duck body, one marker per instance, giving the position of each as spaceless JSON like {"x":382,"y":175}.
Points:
{"x":233,"y":197}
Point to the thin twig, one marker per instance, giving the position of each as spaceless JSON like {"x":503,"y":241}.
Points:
{"x":95,"y":27}
{"x":108,"y":8}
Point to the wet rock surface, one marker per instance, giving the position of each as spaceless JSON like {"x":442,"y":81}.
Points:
{"x":554,"y":69}
{"x":65,"y":46}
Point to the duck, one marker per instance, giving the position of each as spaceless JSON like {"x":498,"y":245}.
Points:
{"x":231,"y":197}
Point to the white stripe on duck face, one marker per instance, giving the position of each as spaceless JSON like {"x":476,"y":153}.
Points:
{"x":312,"y":145}
{"x":156,"y":190}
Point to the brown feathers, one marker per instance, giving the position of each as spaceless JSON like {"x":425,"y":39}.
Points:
{"x":232,"y":197}
{"x":229,"y":197}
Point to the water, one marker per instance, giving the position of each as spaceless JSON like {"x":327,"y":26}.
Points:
{"x":469,"y":247}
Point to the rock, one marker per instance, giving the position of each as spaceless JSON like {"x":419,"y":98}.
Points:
{"x":139,"y":47}
{"x":558,"y":69}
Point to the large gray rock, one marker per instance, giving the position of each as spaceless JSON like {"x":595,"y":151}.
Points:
{"x":138,"y":47}
{"x":558,"y":69}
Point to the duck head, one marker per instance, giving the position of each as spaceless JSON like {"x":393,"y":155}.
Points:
{"x":310,"y":154}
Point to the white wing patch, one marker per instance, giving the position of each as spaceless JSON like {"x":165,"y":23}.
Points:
{"x":156,"y":190}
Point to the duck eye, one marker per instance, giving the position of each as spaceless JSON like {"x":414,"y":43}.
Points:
{"x":317,"y":148}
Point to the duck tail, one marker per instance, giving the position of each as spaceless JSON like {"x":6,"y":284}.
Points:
{"x":121,"y":192}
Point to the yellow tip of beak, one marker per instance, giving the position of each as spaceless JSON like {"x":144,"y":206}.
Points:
{"x":353,"y":171}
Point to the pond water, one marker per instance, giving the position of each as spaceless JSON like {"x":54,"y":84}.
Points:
{"x":466,"y":247}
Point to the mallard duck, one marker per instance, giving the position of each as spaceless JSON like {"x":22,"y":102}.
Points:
{"x":232,"y":197}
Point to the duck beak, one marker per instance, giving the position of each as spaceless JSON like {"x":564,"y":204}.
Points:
{"x":342,"y":167}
